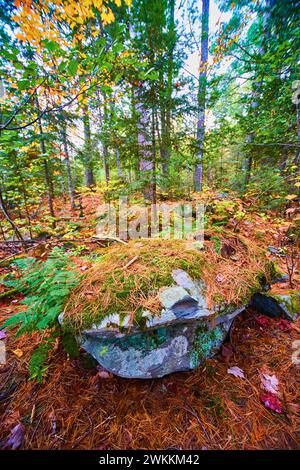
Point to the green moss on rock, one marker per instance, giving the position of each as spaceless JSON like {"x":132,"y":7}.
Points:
{"x":128,"y":278}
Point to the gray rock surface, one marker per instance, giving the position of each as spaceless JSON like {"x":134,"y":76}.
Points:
{"x":178,"y":339}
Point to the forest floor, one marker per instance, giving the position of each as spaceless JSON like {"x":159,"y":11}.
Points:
{"x":78,"y":407}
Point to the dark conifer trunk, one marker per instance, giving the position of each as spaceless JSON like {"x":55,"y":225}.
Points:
{"x":198,"y":172}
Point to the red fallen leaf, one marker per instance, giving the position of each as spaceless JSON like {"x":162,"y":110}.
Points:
{"x":272,"y":402}
{"x":284,"y":325}
{"x":262,"y":320}
{"x":16,"y":438}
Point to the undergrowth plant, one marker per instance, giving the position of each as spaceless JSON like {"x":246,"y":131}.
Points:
{"x":47,"y":286}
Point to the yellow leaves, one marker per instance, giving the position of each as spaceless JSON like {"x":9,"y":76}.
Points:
{"x":24,"y":148}
{"x":297,"y":184}
{"x":107,"y":16}
{"x":41,"y":20}
{"x":98,"y":4}
{"x":126,"y":54}
{"x":119,"y":2}
{"x":21,"y":37}
{"x":290,"y":197}
{"x":82,"y":99}
{"x":17,"y":3}
{"x":18,"y":352}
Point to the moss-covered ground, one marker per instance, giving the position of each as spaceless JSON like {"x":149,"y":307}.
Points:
{"x":127,"y":278}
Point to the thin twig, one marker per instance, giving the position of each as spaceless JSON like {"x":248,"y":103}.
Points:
{"x":193,"y":412}
{"x":133,"y":260}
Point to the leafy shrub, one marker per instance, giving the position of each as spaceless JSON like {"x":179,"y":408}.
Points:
{"x":47,"y":286}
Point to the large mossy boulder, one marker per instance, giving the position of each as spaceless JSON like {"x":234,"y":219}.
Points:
{"x":154,"y":307}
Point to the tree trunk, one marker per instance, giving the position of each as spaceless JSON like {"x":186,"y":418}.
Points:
{"x":297,"y":158}
{"x":104,"y":141}
{"x":8,"y":218}
{"x":68,"y":168}
{"x":198,"y":173}
{"x":24,"y":193}
{"x":89,"y":173}
{"x":248,"y":170}
{"x":118,"y":162}
{"x":166,"y":116}
{"x":48,"y":181}
{"x":153,"y":182}
{"x":256,"y":92}
{"x":144,"y":145}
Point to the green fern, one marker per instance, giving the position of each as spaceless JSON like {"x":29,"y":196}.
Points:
{"x":46,"y":286}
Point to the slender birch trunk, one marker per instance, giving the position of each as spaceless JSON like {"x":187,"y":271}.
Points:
{"x":146,"y":165}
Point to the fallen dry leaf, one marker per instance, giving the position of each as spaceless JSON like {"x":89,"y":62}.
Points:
{"x":103,"y":374}
{"x":236,"y":371}
{"x":16,"y":438}
{"x":3,"y":334}
{"x":270,"y":383}
{"x":18,"y":352}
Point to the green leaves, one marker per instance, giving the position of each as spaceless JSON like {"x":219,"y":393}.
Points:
{"x":72,"y":67}
{"x":38,"y":362}
{"x":23,"y":84}
{"x":51,"y":46}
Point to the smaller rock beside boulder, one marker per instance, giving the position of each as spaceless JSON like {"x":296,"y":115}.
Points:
{"x":277,"y":305}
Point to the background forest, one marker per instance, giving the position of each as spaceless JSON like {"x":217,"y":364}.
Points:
{"x":113,"y":98}
{"x":168,"y":101}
